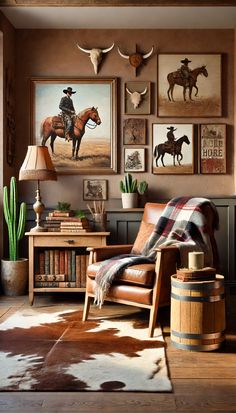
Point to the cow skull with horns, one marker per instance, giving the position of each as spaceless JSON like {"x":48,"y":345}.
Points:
{"x":136,"y":59}
{"x":96,"y":55}
{"x":136,"y":97}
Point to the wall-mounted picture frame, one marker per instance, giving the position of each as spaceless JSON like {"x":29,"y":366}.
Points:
{"x":212,"y":148}
{"x":189,"y":85}
{"x":95,"y":123}
{"x":134,"y":131}
{"x":137,"y":98}
{"x":134,"y":159}
{"x":95,"y":189}
{"x":173,"y":148}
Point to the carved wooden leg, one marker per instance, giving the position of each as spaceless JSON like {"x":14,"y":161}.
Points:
{"x":152,"y":320}
{"x":87,"y":303}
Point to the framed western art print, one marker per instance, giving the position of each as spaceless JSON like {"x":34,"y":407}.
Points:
{"x":189,"y":85}
{"x":137,"y":98}
{"x":212,"y":148}
{"x":134,"y":160}
{"x":94,"y":189}
{"x":134,"y":131}
{"x":76,"y":119}
{"x":173,"y":148}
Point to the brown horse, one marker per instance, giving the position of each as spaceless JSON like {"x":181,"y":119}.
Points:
{"x":175,"y":78}
{"x":80,"y":121}
{"x":163,"y":148}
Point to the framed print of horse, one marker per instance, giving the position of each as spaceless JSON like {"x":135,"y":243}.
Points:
{"x":173,"y":149}
{"x":189,"y":85}
{"x":95,"y":189}
{"x":212,"y":148}
{"x":82,"y":140}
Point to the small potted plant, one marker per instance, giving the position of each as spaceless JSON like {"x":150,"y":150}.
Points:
{"x":142,"y":191}
{"x":129,"y":191}
{"x":14,"y":271}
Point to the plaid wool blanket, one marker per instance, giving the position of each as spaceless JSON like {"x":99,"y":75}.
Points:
{"x":182,"y":223}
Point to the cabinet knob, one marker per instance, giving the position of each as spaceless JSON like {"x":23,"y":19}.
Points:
{"x":70,"y":241}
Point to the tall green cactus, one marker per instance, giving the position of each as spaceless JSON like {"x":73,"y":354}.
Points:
{"x":15,"y":231}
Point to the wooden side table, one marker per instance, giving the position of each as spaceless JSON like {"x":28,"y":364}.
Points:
{"x":41,"y":240}
{"x":197,"y":314}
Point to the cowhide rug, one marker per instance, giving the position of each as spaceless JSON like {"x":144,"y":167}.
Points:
{"x":48,"y":350}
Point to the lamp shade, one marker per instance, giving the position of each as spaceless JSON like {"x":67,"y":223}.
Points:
{"x":37,"y":165}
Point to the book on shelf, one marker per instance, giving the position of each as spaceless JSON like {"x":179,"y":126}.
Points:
{"x":62,"y":261}
{"x":51,"y":261}
{"x":83,"y":270}
{"x":47,"y":261}
{"x":78,"y":231}
{"x":66,"y":219}
{"x":56,"y":262}
{"x":42,"y":262}
{"x":77,"y":271}
{"x":49,"y":277}
{"x":54,"y":284}
{"x":57,"y":213}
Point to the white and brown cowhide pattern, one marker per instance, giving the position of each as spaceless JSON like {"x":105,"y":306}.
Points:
{"x":47,"y":350}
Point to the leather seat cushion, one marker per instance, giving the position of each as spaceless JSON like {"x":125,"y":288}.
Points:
{"x":128,"y":293}
{"x":141,"y":274}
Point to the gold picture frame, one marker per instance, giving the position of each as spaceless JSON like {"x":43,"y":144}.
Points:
{"x":98,"y":150}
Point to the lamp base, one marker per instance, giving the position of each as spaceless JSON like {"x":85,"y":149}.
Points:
{"x":38,"y":228}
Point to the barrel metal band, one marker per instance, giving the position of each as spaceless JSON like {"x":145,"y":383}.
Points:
{"x":206,"y":347}
{"x":197,"y":286}
{"x":211,"y":299}
{"x":198,"y":336}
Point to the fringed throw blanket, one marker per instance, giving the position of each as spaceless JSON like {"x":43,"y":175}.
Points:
{"x":182,"y":223}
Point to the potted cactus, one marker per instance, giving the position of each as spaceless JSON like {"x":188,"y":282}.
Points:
{"x":131,"y":190}
{"x":142,"y":191}
{"x":14,"y":271}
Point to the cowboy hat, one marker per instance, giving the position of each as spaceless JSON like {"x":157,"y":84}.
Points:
{"x":69,"y":90}
{"x":172,"y":128}
{"x":185,"y":61}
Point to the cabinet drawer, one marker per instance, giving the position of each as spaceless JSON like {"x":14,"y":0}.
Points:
{"x":69,"y":241}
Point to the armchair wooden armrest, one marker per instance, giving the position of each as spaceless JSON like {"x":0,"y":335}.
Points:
{"x":107,"y":251}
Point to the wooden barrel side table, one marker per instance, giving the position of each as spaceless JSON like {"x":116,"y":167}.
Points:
{"x":197,"y":314}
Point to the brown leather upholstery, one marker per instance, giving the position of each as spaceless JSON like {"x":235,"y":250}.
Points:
{"x":144,"y":285}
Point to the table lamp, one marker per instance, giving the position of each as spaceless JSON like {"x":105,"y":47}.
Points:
{"x":37,"y":166}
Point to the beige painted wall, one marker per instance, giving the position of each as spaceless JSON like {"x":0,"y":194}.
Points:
{"x":7,"y":60}
{"x":53,"y":53}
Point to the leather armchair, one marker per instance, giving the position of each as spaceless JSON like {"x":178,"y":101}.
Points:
{"x":144,"y":285}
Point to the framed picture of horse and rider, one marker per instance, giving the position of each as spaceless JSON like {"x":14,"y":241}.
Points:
{"x":173,"y":149}
{"x":76,"y":119}
{"x":189,"y":85}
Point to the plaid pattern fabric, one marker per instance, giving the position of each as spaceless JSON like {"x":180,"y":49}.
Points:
{"x":182,"y":223}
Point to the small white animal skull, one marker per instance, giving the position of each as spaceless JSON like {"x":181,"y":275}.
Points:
{"x":136,"y":97}
{"x":96,"y":55}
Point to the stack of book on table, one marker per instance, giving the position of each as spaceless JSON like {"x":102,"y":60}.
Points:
{"x":65,"y":221}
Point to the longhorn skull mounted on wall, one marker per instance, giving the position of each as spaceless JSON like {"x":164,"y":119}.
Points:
{"x":136,"y":97}
{"x":96,"y":55}
{"x":136,"y":59}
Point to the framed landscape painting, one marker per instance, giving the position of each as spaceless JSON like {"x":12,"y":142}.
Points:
{"x":189,"y":85}
{"x":173,"y":149}
{"x":93,"y":148}
{"x":212,"y":148}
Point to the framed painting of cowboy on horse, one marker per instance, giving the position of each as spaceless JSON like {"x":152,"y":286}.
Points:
{"x":76,"y":119}
{"x":189,"y":85}
{"x":173,"y":149}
